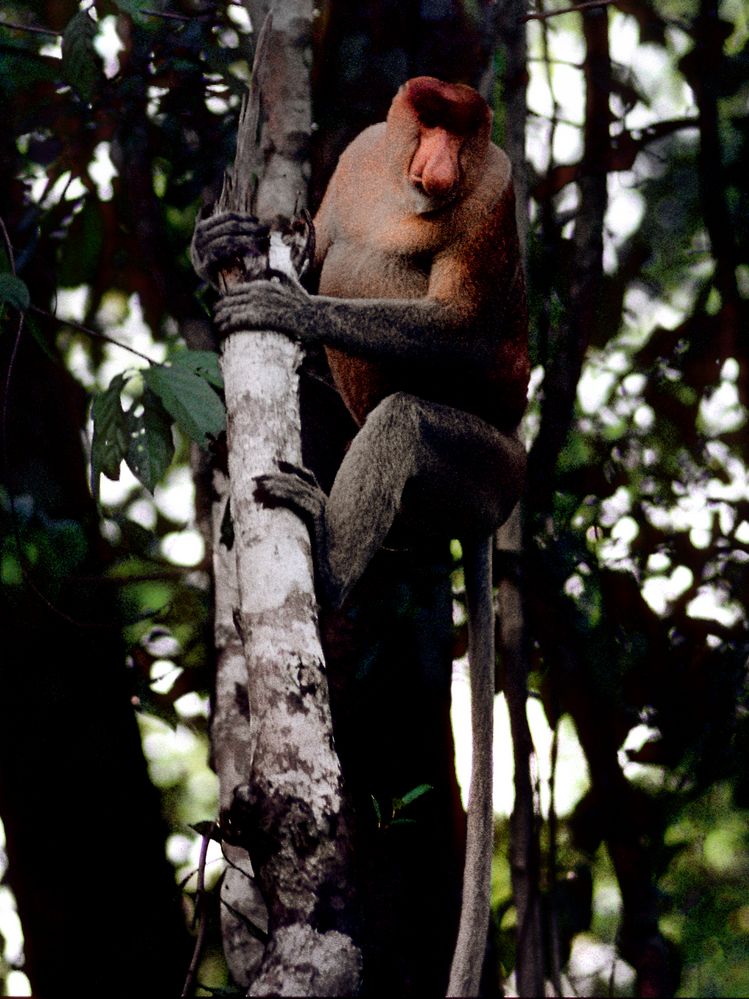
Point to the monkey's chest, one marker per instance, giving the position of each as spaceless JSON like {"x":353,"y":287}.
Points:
{"x":364,"y":272}
{"x":354,"y":270}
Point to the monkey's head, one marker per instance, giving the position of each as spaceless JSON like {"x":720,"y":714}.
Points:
{"x":439,"y":133}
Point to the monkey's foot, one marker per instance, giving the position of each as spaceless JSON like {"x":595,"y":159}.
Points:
{"x":224,"y":240}
{"x":297,"y":489}
{"x":292,"y":487}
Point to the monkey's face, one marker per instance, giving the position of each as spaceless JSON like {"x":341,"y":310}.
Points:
{"x":440,"y":134}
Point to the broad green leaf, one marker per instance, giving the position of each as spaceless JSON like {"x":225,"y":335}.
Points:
{"x":201,"y":362}
{"x":150,"y":442}
{"x":80,"y":60}
{"x":110,"y":440}
{"x":189,"y":399}
{"x":14,"y":292}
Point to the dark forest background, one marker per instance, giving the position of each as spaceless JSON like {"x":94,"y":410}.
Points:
{"x":628,"y":126}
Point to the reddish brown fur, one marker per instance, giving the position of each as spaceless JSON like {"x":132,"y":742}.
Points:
{"x":375,"y":242}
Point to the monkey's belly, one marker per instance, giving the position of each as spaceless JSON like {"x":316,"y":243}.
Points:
{"x":363,"y":384}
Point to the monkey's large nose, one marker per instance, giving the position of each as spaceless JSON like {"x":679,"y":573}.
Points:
{"x":438,"y":180}
{"x":434,"y":168}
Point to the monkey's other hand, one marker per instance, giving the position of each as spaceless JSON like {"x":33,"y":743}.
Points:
{"x":297,"y":489}
{"x":226,"y":240}
{"x":266,"y":305}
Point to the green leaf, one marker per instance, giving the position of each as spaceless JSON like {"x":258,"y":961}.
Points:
{"x":150,"y":442}
{"x":81,"y":252}
{"x":23,"y":71}
{"x":81,"y":64}
{"x":200,"y":362}
{"x":417,"y":792}
{"x":131,"y":7}
{"x":189,"y":399}
{"x":14,"y":292}
{"x":110,"y":441}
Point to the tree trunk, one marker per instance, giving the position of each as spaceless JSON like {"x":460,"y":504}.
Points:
{"x":289,"y":810}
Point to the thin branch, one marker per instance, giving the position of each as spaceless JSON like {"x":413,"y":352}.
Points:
{"x":96,"y":334}
{"x":8,"y":246}
{"x":201,"y":917}
{"x":29,"y":29}
{"x":587,"y":5}
{"x":175,"y":17}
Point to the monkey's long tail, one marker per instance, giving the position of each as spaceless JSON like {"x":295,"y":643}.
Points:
{"x":468,"y":959}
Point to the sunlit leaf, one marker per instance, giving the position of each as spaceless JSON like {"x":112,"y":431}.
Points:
{"x":150,"y":442}
{"x":110,"y":441}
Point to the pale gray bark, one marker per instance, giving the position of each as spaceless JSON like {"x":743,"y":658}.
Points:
{"x":241,"y":901}
{"x":281,"y":784}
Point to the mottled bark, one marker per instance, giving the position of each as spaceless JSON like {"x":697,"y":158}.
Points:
{"x":281,"y":781}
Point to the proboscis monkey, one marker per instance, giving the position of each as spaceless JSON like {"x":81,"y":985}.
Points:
{"x":422,"y":312}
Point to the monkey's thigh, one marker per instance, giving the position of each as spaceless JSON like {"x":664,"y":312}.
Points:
{"x":467,"y":475}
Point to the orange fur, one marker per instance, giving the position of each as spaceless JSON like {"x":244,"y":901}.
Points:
{"x":415,"y":210}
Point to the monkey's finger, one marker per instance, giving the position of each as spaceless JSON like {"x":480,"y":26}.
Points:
{"x":225,"y":248}
{"x":261,"y":305}
{"x":235,"y":224}
{"x":232,"y":316}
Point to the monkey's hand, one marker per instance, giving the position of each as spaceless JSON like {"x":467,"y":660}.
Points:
{"x":281,"y":305}
{"x":297,"y":489}
{"x":229,"y":240}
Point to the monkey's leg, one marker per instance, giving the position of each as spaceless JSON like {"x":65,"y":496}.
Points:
{"x":349,"y":526}
{"x":444,"y":470}
{"x":297,"y":489}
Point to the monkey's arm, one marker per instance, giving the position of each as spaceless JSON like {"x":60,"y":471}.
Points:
{"x":424,"y":331}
